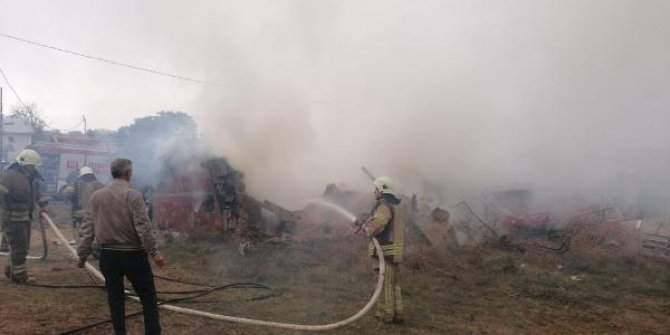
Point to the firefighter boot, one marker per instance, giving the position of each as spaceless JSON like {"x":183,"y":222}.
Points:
{"x":23,"y":279}
{"x":383,"y":317}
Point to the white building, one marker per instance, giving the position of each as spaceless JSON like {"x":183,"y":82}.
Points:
{"x":17,"y":134}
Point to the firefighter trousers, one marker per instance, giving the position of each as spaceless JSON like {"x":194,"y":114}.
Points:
{"x":18,"y":237}
{"x":77,"y":222}
{"x":4,"y":245}
{"x":389,"y":306}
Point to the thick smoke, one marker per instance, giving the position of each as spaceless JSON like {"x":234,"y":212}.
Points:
{"x":564,"y":97}
{"x":567,"y":97}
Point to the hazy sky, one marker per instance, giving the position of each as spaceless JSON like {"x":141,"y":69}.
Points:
{"x":567,"y":94}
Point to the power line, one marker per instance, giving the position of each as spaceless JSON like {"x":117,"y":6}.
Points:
{"x":11,"y":87}
{"x":104,"y":60}
{"x":73,"y":127}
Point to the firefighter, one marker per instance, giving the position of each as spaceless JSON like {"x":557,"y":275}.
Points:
{"x":79,"y":193}
{"x":386,"y":224}
{"x":20,"y":191}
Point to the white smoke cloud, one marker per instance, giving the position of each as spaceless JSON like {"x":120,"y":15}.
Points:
{"x":471,"y":94}
{"x":566,"y":95}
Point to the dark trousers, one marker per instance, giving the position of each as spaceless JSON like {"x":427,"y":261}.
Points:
{"x":18,"y":236}
{"x":4,"y":245}
{"x":116,"y":264}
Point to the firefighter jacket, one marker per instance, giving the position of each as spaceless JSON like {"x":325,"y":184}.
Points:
{"x":80,"y":192}
{"x":386,"y":224}
{"x":118,"y":221}
{"x":20,"y":191}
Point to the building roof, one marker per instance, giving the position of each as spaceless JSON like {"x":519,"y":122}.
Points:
{"x":77,"y":144}
{"x":14,"y":125}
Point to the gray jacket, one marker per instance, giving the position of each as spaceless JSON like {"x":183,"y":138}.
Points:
{"x":118,"y":221}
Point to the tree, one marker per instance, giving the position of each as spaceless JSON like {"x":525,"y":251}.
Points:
{"x":33,"y":116}
{"x":151,"y":140}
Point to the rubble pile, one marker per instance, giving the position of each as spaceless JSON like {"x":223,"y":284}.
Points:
{"x":210,"y":199}
{"x":505,"y":220}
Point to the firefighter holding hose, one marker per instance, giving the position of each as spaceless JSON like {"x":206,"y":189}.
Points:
{"x":79,"y":194}
{"x":385,"y":223}
{"x":20,"y":192}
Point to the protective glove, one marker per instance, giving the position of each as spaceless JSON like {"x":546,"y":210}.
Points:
{"x":81,"y":263}
{"x":44,"y":202}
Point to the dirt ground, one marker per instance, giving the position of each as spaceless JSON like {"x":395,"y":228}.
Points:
{"x":326,"y":277}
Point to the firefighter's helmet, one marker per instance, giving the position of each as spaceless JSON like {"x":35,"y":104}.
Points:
{"x":29,"y":157}
{"x":384,"y":185}
{"x":85,"y":170}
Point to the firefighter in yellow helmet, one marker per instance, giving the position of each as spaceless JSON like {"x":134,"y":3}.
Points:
{"x":20,"y":192}
{"x":79,"y":194}
{"x":386,"y":224}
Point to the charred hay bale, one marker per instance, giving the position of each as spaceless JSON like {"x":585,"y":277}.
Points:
{"x":440,"y":215}
{"x":597,"y":238}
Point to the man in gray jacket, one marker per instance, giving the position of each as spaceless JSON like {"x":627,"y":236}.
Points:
{"x":125,"y":234}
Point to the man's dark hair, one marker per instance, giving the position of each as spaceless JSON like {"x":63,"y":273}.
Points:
{"x":119,"y":166}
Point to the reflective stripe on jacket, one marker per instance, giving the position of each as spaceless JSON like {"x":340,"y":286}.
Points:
{"x":386,"y":224}
{"x":19,"y":192}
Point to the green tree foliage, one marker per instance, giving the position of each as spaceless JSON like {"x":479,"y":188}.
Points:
{"x":149,"y":141}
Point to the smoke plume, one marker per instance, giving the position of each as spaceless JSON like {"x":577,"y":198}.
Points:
{"x":455,"y":97}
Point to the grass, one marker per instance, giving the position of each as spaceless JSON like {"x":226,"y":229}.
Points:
{"x":465,"y":291}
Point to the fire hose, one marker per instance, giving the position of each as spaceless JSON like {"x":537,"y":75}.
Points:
{"x":375,"y":296}
{"x":162,"y":303}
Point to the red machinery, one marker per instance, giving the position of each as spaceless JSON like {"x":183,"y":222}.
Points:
{"x":186,"y":203}
{"x":538,"y":221}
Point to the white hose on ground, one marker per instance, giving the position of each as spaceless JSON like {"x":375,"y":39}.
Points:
{"x":189,"y":311}
{"x":89,"y":267}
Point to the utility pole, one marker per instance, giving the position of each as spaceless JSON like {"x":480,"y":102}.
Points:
{"x":2,"y":133}
{"x":84,"y":119}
